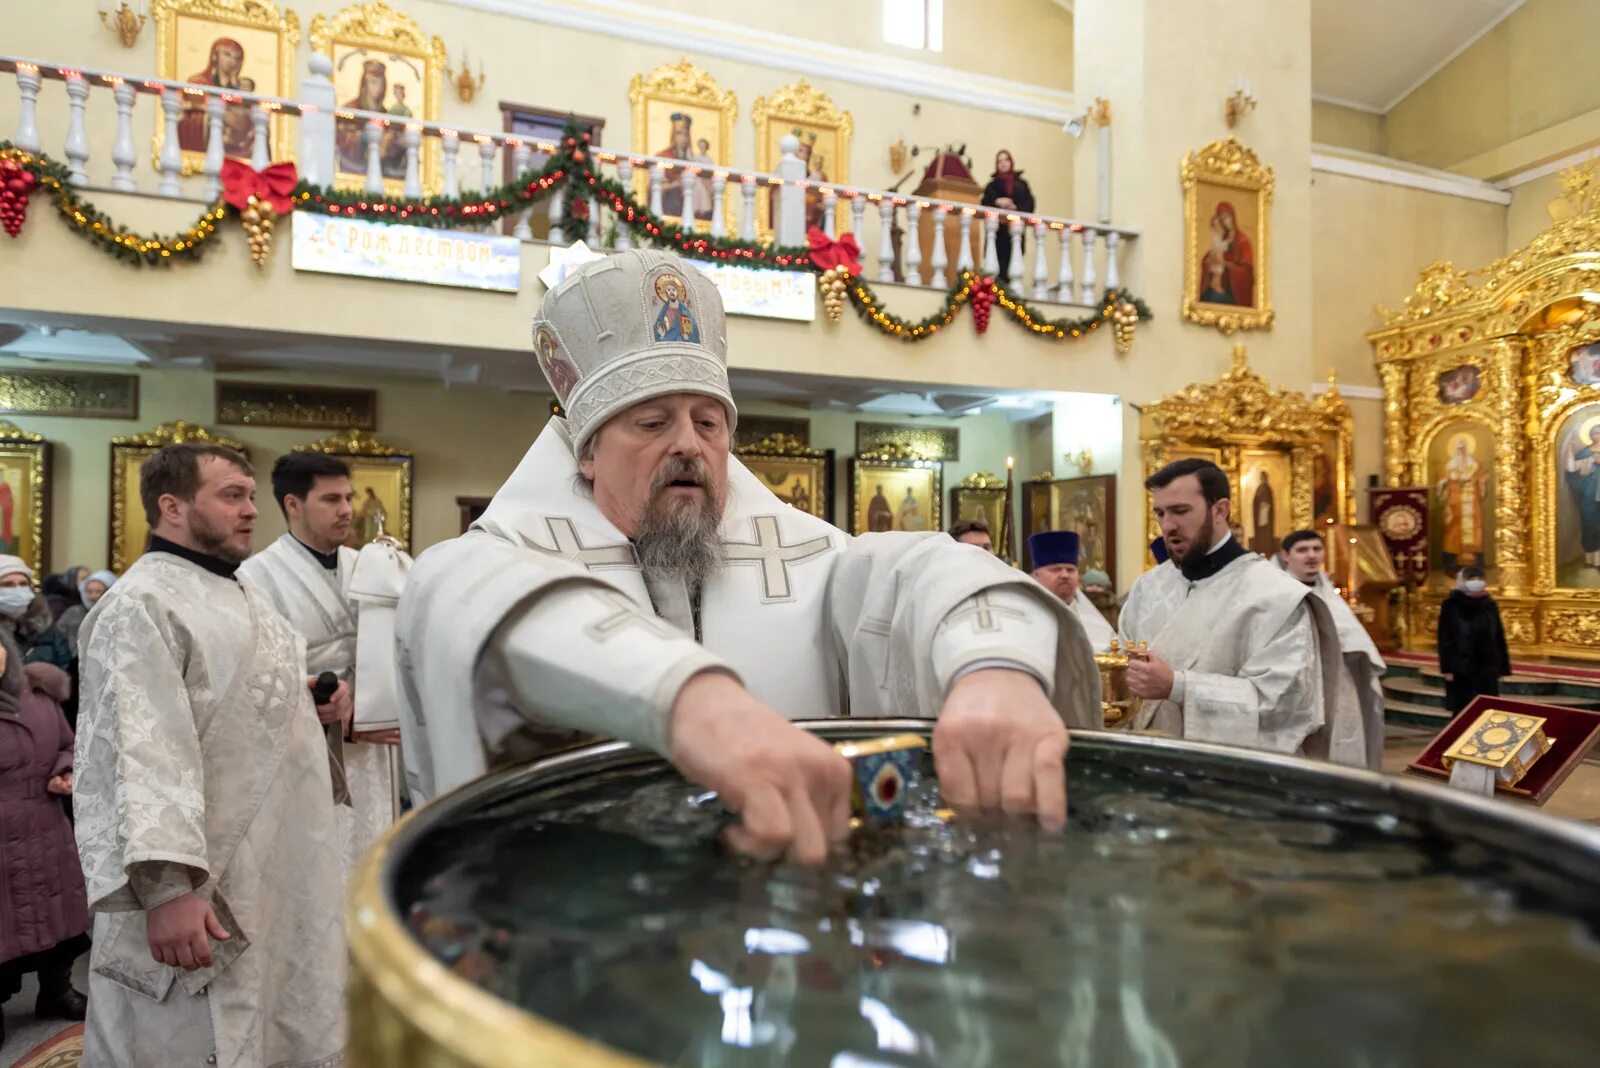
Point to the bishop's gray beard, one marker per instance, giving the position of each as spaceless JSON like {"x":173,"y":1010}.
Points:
{"x":680,"y":540}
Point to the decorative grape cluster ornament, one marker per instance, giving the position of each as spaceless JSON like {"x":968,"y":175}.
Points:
{"x":834,"y":282}
{"x":982,"y":301}
{"x":1124,"y":318}
{"x":257,"y":219}
{"x":16,"y":184}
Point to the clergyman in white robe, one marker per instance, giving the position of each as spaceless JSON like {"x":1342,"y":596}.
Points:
{"x":813,"y":622}
{"x":1361,"y":688}
{"x":201,"y":766}
{"x":1255,"y":657}
{"x":315,"y":599}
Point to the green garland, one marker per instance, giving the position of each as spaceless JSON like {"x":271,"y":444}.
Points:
{"x":100,"y":230}
{"x":570,"y":172}
{"x":867,"y":305}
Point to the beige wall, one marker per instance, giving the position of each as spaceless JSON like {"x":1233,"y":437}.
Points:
{"x":465,"y":443}
{"x":1369,"y":241}
{"x":1532,"y":71}
{"x":1019,"y":40}
{"x":1333,"y":124}
{"x":589,"y":74}
{"x":1529,"y":213}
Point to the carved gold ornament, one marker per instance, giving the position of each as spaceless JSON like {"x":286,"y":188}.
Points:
{"x":27,"y":456}
{"x":1518,"y":320}
{"x":1241,"y":411}
{"x":802,"y":104}
{"x":983,"y":480}
{"x":783,"y":445}
{"x":1231,"y":165}
{"x":390,"y":36}
{"x":674,"y":85}
{"x":248,"y":14}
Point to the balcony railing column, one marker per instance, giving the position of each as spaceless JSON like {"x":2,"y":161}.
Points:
{"x":521,"y":160}
{"x":27,"y":137}
{"x":372,"y":142}
{"x":216,"y":114}
{"x":171,"y":159}
{"x":1113,"y":277}
{"x":913,"y":243}
{"x":830,"y":213}
{"x":886,"y":240}
{"x":557,"y":234}
{"x":488,"y":148}
{"x":719,"y":204}
{"x":594,"y":237}
{"x":122,"y":153}
{"x":1013,"y":236}
{"x":747,"y":218}
{"x":1064,"y":281}
{"x":317,"y":102}
{"x":791,"y":197}
{"x":624,"y":179}
{"x":941,"y":258}
{"x":261,"y":149}
{"x":1089,"y":294}
{"x":1041,"y":268}
{"x":655,"y":189}
{"x":77,"y":146}
{"x":413,"y":184}
{"x":991,"y":251}
{"x":858,"y":215}
{"x":964,"y":252}
{"x":450,"y":143}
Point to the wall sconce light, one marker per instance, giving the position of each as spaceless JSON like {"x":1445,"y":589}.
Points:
{"x":127,"y":21}
{"x":466,"y":86}
{"x":1083,"y":460}
{"x":1240,"y":103}
{"x":1096,"y":114}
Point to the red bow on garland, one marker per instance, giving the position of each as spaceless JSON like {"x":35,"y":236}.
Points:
{"x":272,"y":186}
{"x":827,"y":253}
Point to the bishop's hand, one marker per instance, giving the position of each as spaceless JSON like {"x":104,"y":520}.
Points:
{"x":178,"y":932}
{"x":999,"y":743}
{"x":789,"y":787}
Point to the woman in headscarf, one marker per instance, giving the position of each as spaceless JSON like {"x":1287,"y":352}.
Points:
{"x":1008,"y":191}
{"x":44,"y":911}
{"x":89,"y":591}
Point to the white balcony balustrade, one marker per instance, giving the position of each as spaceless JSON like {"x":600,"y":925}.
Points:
{"x":917,"y":241}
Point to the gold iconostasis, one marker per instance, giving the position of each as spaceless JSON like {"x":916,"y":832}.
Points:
{"x":1492,"y":403}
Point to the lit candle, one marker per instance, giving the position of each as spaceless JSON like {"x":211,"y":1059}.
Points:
{"x":1005,"y":515}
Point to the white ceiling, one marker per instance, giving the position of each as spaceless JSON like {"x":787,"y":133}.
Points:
{"x":1371,"y":54}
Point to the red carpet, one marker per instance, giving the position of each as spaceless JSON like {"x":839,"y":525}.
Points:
{"x":62,"y":1050}
{"x":1542,"y":668}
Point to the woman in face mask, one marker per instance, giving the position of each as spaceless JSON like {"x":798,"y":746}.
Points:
{"x":1472,"y":642}
{"x":25,"y":616}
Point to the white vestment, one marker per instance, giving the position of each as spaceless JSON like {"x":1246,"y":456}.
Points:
{"x":199,"y":758}
{"x":544,"y":598}
{"x":1361,"y":692}
{"x":1256,"y":659}
{"x":1095,"y":627}
{"x":315,"y":599}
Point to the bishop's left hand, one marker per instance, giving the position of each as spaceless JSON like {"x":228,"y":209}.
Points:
{"x":999,"y":743}
{"x":1150,"y":678}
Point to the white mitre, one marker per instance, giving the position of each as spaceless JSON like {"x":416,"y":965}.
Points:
{"x":624,"y":329}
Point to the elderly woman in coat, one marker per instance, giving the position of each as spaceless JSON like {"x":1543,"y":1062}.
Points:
{"x":43,"y":910}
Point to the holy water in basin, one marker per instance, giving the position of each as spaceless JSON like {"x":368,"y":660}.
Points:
{"x":1204,"y":908}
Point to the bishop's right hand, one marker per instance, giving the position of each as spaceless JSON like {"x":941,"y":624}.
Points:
{"x":178,"y":929}
{"x":789,"y":787}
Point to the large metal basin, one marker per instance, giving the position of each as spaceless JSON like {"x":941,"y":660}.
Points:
{"x":1208,"y":906}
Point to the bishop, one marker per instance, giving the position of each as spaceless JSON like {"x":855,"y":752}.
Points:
{"x":633,"y":579}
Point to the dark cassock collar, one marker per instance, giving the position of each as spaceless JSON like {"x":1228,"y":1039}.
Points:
{"x":1220,"y":556}
{"x":329,"y":561}
{"x":214,"y":564}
